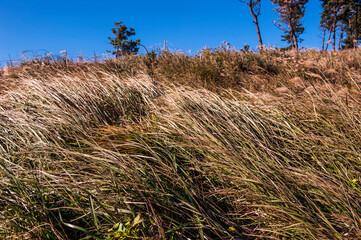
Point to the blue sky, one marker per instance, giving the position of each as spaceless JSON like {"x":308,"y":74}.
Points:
{"x":82,"y":27}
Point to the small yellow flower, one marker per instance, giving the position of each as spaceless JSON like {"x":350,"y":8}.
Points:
{"x":232,"y":229}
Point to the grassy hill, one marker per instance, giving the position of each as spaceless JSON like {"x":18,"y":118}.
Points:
{"x":222,"y":145}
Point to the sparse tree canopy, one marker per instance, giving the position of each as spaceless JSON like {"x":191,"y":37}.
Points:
{"x":255,"y":9}
{"x":291,"y":12}
{"x":352,"y":24}
{"x":331,"y":18}
{"x":121,"y":42}
{"x":343,"y":18}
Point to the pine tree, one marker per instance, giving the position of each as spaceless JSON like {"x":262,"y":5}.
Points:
{"x":332,"y":18}
{"x":291,"y":12}
{"x":122,"y":44}
{"x":342,"y":17}
{"x":255,"y":9}
{"x":352,"y":25}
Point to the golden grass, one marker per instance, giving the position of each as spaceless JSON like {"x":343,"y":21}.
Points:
{"x":222,"y":145}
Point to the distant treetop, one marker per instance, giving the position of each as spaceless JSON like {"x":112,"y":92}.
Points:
{"x":120,"y":41}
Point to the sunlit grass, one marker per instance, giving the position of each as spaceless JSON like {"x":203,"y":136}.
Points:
{"x":175,"y":147}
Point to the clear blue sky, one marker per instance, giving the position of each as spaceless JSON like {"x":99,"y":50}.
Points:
{"x":83,"y":26}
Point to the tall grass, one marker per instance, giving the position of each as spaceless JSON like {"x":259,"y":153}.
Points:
{"x":172,"y":146}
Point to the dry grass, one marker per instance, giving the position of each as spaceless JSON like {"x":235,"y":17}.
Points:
{"x":222,"y":145}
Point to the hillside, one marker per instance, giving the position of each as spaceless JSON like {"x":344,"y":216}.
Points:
{"x":222,"y":145}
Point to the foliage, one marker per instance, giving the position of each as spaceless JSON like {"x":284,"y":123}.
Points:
{"x":333,"y":15}
{"x":255,"y":9}
{"x":122,"y":44}
{"x":344,"y":17}
{"x":127,"y":230}
{"x":291,"y":12}
{"x":222,"y":145}
{"x":352,"y":25}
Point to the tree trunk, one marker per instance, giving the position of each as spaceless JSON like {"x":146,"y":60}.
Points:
{"x":341,"y":37}
{"x":293,"y":37}
{"x":117,"y":53}
{"x":334,"y":40}
{"x":257,"y":26}
{"x":332,"y":30}
{"x":323,"y":39}
{"x":295,"y":41}
{"x":357,"y":28}
{"x":328,"y":40}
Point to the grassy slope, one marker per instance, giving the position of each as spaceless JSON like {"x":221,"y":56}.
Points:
{"x":223,"y":145}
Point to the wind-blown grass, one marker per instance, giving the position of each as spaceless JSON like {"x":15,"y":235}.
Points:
{"x":179,"y":147}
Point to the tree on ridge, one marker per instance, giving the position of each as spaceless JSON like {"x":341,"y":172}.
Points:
{"x":343,"y":18}
{"x":122,"y":44}
{"x":331,"y":19}
{"x":291,"y":12}
{"x":255,"y":9}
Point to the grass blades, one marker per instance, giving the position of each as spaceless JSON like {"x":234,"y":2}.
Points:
{"x":221,"y":145}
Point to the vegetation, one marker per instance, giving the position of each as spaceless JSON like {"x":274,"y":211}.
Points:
{"x":352,"y":25}
{"x":291,"y":13}
{"x":339,"y":19}
{"x":343,"y":17}
{"x":255,"y":10}
{"x":122,"y":44}
{"x":221,"y":145}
